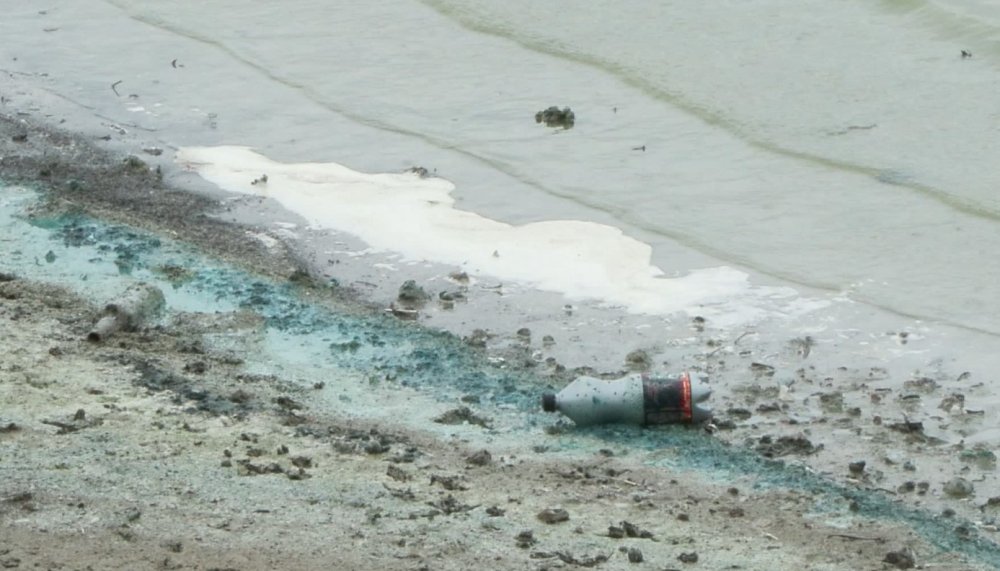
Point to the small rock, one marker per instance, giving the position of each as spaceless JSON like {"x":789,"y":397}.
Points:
{"x":633,"y":530}
{"x":902,"y":559}
{"x":462,"y":415}
{"x":639,"y":360}
{"x":412,"y":294}
{"x":301,"y":461}
{"x":376,"y":447}
{"x":691,"y":557}
{"x":856,"y":468}
{"x":397,"y":473}
{"x":615,"y":532}
{"x":173,"y":546}
{"x":634,"y":555}
{"x":481,"y":458}
{"x":495,"y":511}
{"x":525,"y":539}
{"x":553,"y":515}
{"x":958,"y":488}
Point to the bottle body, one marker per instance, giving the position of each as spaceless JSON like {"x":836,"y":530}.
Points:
{"x":137,"y":304}
{"x":634,"y":399}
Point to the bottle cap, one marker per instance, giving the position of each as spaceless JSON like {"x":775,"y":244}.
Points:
{"x":549,"y":402}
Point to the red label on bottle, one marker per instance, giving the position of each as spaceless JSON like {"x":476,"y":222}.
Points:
{"x":667,"y":402}
{"x":685,"y":381}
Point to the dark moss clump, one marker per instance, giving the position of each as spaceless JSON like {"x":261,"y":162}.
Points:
{"x":555,"y":117}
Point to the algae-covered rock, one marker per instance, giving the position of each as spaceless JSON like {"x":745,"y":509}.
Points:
{"x":555,"y":117}
{"x":412,"y":294}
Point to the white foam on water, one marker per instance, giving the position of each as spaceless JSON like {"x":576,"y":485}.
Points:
{"x":416,"y":217}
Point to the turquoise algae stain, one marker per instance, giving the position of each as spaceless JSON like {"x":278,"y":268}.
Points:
{"x":99,"y":257}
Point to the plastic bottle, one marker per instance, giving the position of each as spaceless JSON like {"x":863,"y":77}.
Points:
{"x":635,"y":399}
{"x":139,"y":303}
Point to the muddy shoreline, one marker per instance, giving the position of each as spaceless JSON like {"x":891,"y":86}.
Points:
{"x":183,"y":455}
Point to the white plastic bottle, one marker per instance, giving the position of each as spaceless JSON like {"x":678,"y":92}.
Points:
{"x":634,"y":399}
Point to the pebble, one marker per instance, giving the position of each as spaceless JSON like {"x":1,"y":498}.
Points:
{"x":900,"y":559}
{"x":856,"y":468}
{"x":481,"y":458}
{"x":525,"y":539}
{"x":958,"y":488}
{"x":688,"y":557}
{"x":553,"y":515}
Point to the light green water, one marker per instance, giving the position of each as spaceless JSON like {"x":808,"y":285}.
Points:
{"x":843,"y":146}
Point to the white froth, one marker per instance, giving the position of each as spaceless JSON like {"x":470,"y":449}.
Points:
{"x":416,"y":218}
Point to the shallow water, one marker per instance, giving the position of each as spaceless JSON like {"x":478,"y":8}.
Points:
{"x":842,"y":146}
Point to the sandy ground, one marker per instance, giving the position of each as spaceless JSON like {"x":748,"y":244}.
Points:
{"x":150,"y":451}
{"x":119,"y":456}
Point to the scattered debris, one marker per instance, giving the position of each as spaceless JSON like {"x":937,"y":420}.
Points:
{"x":592,"y":561}
{"x":553,"y":515}
{"x":397,"y":473}
{"x":419,"y":171}
{"x":626,"y":529}
{"x":770,"y":447}
{"x":462,"y":415}
{"x":78,"y":421}
{"x":451,"y":483}
{"x":450,"y":505}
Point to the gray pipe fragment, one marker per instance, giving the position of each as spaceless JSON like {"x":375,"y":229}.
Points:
{"x":139,"y":303}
